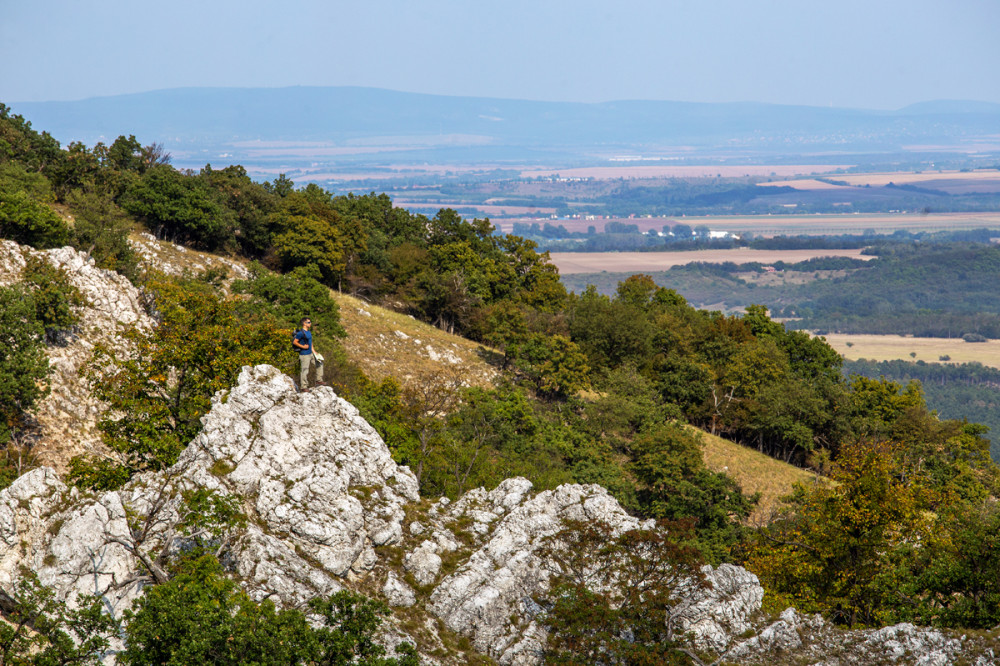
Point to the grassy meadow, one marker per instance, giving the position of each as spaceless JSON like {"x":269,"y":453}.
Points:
{"x":906,"y":348}
{"x":385,"y":343}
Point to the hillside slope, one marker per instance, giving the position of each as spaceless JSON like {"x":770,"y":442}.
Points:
{"x":389,"y":344}
{"x":754,"y":472}
{"x":382,"y":342}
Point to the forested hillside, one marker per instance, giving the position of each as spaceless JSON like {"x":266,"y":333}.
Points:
{"x":593,"y":388}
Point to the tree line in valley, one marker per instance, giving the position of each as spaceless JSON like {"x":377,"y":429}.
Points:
{"x":964,"y":391}
{"x":594,"y":388}
{"x":937,"y":289}
{"x":677,"y":197}
{"x":681,"y":237}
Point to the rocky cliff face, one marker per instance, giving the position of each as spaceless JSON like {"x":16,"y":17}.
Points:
{"x":67,"y":417}
{"x":328,"y":508}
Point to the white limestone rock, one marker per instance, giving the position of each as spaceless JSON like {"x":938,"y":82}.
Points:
{"x":424,"y":563}
{"x":316,"y":479}
{"x":499,"y":579}
{"x":398,"y":593}
{"x":324,"y":498}
{"x":724,"y":609}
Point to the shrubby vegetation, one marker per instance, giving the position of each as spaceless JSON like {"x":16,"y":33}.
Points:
{"x":40,"y":630}
{"x":33,"y":312}
{"x":200,"y":616}
{"x":159,"y":383}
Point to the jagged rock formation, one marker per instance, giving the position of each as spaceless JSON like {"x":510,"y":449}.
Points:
{"x":176,"y":260}
{"x":67,"y":417}
{"x":329,"y":508}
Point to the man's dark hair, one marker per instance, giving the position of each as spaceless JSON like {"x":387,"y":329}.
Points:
{"x":302,"y":321}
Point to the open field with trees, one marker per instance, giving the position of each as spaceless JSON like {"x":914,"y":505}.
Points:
{"x":790,"y":224}
{"x":909,"y":348}
{"x":649,"y":262}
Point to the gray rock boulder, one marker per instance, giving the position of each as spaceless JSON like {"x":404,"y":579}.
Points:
{"x":316,"y":480}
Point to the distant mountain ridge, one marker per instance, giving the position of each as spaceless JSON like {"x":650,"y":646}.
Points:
{"x":218,"y":116}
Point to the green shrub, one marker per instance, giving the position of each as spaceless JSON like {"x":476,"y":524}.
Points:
{"x":24,"y":220}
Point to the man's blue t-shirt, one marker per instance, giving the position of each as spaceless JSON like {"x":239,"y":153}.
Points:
{"x":305,"y":338}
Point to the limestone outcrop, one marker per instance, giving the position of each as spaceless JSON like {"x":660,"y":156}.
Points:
{"x":328,"y":508}
{"x":67,"y":417}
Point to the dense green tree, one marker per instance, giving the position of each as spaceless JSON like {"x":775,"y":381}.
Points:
{"x":23,"y":370}
{"x":101,"y":229}
{"x":22,"y":144}
{"x":616,"y":597}
{"x":79,"y":170}
{"x":674,"y":483}
{"x":294,"y":295}
{"x":254,"y":207}
{"x":54,"y":298}
{"x":180,"y":208}
{"x":843,"y":548}
{"x":610,"y":332}
{"x":199,"y":616}
{"x":307,"y":240}
{"x":955,"y":582}
{"x":15,"y":177}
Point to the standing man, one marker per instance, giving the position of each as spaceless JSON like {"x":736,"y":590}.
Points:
{"x":303,"y":341}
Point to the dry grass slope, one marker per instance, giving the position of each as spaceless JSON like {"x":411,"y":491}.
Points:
{"x":754,"y":472}
{"x":389,"y":344}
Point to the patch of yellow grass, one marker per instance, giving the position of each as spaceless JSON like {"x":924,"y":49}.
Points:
{"x":754,"y":472}
{"x":910,"y":178}
{"x":930,"y":350}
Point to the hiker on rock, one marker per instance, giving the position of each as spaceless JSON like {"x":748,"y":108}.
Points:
{"x":303,"y":342}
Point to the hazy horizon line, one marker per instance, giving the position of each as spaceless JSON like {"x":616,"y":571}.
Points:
{"x":507,"y":99}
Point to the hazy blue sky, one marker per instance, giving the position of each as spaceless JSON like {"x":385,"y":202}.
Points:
{"x":881,"y":54}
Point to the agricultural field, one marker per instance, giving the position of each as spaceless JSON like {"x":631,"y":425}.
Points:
{"x":906,"y":348}
{"x":952,"y":182}
{"x":633,"y":172}
{"x":648,"y":262}
{"x":792,"y":225}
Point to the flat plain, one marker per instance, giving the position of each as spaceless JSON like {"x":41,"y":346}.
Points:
{"x":640,"y":171}
{"x":645,"y":262}
{"x":791,"y":225}
{"x":905,"y":348}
